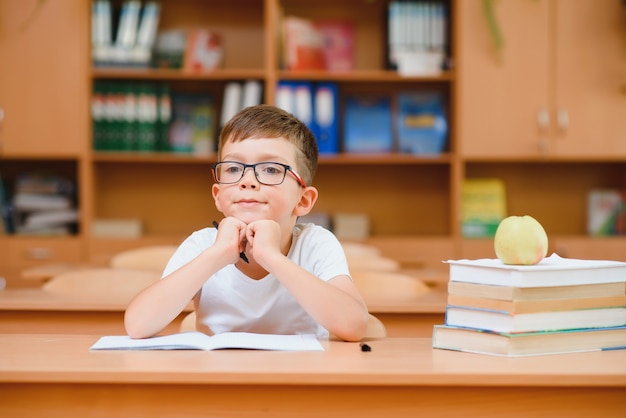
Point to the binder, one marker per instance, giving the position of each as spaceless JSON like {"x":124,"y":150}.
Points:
{"x":296,"y":97}
{"x":326,"y":114}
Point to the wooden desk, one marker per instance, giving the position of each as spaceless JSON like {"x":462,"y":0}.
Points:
{"x":411,"y":317}
{"x":36,"y":311}
{"x":57,"y":375}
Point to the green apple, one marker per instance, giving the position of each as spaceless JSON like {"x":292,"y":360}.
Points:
{"x":520,"y":240}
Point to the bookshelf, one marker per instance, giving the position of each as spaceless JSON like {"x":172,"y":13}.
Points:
{"x":413,"y":202}
{"x":389,"y":186}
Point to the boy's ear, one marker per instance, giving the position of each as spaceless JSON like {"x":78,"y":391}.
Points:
{"x":215,"y":190}
{"x":307,"y":201}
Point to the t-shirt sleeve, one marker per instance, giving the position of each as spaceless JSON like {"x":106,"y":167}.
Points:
{"x":190,"y":248}
{"x":319,"y":251}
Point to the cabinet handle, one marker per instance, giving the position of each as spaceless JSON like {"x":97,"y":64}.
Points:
{"x":562,"y":119}
{"x":543,"y":120}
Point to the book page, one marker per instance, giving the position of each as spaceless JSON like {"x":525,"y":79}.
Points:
{"x":305,"y":342}
{"x":553,"y":262}
{"x":200,"y":341}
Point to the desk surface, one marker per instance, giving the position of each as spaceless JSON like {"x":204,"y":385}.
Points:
{"x":400,"y":377}
{"x":392,"y":361}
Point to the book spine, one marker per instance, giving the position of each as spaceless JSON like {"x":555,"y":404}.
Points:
{"x":326,"y":114}
{"x":128,"y":117}
{"x":231,"y":103}
{"x":164,"y":118}
{"x":147,"y":118}
{"x":98,"y":116}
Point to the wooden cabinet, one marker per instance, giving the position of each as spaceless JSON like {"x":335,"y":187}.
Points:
{"x":44,"y":108}
{"x":546,"y":115}
{"x":556,"y":90}
{"x":44,"y":113}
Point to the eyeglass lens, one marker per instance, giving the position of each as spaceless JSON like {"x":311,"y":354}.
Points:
{"x":266,"y":173}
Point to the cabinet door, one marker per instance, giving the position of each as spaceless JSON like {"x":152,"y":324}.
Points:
{"x":44,"y":94}
{"x":504,"y":101}
{"x":591,"y":75}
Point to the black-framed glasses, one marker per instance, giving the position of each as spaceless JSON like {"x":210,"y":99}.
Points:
{"x":268,"y":173}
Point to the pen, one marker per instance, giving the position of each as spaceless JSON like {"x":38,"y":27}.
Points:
{"x":241,"y":254}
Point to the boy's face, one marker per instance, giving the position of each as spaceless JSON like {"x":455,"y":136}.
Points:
{"x":249,"y":200}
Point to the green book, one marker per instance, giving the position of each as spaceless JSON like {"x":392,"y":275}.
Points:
{"x":147,"y":118}
{"x":483,"y":206}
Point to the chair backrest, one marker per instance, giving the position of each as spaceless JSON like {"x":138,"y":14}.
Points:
{"x":367,"y":257}
{"x":373,"y":263}
{"x":101,"y":282}
{"x":375,"y":327}
{"x":150,"y":258}
{"x":392,"y":286}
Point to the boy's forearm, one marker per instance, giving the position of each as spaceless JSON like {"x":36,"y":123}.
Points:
{"x":157,"y":305}
{"x":343,"y":314}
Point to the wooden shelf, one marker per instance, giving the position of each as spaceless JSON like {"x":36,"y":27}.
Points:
{"x":172,"y":74}
{"x":339,"y":159}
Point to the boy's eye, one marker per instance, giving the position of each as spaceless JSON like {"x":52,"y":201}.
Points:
{"x":233,"y":169}
{"x":272,"y":169}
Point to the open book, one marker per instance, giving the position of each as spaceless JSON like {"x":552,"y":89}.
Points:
{"x":199,"y":341}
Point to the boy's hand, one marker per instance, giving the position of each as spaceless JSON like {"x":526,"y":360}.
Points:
{"x":263,"y":238}
{"x":231,"y":236}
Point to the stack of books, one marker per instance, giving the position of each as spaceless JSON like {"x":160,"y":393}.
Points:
{"x":560,"y":305}
{"x":44,"y":204}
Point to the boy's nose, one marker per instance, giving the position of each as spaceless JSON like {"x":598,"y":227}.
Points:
{"x":248,"y":178}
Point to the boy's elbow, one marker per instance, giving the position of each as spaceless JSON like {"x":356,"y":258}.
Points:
{"x":134,"y":328}
{"x":353,"y":331}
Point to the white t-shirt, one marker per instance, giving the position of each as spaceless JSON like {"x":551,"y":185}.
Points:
{"x":231,"y":301}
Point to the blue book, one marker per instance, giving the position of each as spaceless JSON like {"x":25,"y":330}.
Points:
{"x":325,"y":118}
{"x":367,"y":124}
{"x":422,"y":125}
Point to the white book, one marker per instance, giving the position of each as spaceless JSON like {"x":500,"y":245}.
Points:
{"x":41,"y":201}
{"x":551,"y":271}
{"x":199,"y":341}
{"x":231,"y":104}
{"x":500,"y":321}
{"x":146,"y":35}
{"x":51,"y":217}
{"x":127,"y":29}
{"x":252,"y":92}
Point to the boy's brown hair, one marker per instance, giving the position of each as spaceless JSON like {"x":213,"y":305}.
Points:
{"x":266,"y":121}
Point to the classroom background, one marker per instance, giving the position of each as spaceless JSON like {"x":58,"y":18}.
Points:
{"x":424,"y":112}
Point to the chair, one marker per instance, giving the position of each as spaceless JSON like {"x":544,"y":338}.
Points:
{"x":367,"y":257}
{"x":101,"y":283}
{"x":385,"y":285}
{"x":150,"y":258}
{"x":375,"y":327}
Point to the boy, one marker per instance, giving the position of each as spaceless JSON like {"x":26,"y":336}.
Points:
{"x":294,"y":279}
